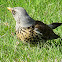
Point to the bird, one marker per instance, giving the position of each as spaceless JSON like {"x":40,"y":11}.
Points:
{"x":32,"y":31}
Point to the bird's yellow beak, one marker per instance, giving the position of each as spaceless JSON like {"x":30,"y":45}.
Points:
{"x":9,"y":8}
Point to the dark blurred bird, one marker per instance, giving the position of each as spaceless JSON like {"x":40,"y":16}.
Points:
{"x":31,"y":31}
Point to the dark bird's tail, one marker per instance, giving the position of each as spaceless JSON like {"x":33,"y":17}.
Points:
{"x":54,"y":25}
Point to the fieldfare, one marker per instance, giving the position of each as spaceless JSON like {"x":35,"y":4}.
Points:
{"x":31,"y":31}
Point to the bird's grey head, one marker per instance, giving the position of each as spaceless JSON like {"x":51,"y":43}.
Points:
{"x":21,"y":17}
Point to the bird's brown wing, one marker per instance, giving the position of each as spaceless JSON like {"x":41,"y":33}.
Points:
{"x":47,"y":32}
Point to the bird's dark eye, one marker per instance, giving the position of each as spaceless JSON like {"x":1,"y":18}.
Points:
{"x":13,"y":12}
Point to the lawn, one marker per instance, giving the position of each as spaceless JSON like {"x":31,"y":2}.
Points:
{"x":12,"y":49}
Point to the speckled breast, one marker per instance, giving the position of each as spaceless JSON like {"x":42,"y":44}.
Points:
{"x":28,"y":35}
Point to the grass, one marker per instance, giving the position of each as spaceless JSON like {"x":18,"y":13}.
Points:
{"x":12,"y":49}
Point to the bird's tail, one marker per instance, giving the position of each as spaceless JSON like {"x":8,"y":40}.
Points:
{"x":54,"y":25}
